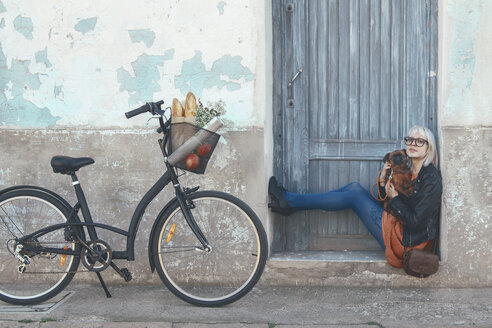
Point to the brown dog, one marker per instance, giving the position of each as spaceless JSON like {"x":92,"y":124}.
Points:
{"x":400,"y":174}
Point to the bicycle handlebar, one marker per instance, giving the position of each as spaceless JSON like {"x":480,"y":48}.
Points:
{"x":139,"y":110}
{"x":152,"y":107}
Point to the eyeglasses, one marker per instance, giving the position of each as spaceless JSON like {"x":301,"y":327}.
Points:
{"x":419,"y":142}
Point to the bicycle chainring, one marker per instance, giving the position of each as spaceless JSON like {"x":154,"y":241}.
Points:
{"x":98,"y":258}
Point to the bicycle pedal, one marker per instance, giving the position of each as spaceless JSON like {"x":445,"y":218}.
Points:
{"x":127,"y":275}
{"x":124,"y":273}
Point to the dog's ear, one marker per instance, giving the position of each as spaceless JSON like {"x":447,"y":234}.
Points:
{"x":408,"y":163}
{"x":407,"y":159}
{"x":386,"y":157}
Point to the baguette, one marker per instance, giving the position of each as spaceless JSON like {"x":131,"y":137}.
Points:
{"x":190,"y":105}
{"x":190,"y":109}
{"x":178,"y":111}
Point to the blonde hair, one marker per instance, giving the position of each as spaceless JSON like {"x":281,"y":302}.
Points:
{"x":431,"y":154}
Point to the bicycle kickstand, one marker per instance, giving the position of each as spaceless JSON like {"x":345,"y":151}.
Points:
{"x":108,"y":295}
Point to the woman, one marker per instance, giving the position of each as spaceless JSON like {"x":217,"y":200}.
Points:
{"x":416,"y":225}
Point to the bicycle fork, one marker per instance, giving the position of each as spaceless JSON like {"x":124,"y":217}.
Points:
{"x":186,"y":205}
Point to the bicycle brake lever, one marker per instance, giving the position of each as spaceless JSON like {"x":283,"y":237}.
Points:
{"x":153,"y":117}
{"x":190,"y":190}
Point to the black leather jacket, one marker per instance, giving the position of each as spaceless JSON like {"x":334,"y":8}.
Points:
{"x":421,"y":211}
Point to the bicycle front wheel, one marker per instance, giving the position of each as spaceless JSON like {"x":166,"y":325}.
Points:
{"x":225,"y":273}
{"x":23,"y":212}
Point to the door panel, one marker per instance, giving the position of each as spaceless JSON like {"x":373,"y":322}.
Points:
{"x":368,"y":75}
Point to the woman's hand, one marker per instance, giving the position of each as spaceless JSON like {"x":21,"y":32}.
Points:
{"x":384,"y":171}
{"x":390,"y":190}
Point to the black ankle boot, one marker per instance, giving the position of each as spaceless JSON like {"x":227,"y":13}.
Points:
{"x":278,"y":203}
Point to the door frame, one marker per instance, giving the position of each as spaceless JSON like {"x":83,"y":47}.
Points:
{"x":281,"y":93}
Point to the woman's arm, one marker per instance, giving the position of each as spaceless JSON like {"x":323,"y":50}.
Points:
{"x":382,"y":183}
{"x":426,"y":200}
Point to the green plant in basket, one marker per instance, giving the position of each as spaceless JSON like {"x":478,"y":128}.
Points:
{"x":205,"y":114}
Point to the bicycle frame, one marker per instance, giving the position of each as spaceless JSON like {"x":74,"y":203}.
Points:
{"x":129,"y":254}
{"x":131,"y":234}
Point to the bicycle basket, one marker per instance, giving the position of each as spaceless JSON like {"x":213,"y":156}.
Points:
{"x":197,"y":159}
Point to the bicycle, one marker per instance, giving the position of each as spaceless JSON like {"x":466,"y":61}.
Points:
{"x":208,"y":247}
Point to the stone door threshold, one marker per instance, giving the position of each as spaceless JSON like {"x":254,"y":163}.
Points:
{"x":329,"y":256}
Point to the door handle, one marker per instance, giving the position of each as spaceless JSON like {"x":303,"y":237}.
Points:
{"x":294,"y":77}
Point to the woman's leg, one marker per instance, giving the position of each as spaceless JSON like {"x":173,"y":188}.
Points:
{"x":352,"y":196}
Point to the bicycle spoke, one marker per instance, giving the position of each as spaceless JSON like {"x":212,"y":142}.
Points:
{"x":44,"y":274}
{"x":228,"y":270}
{"x":6,"y":224}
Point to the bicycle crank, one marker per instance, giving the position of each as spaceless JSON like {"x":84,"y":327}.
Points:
{"x":96,"y":256}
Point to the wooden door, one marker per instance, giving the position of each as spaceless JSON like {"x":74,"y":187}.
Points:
{"x":350,"y":78}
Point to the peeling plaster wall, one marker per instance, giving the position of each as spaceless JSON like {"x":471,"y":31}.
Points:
{"x":465,"y":120}
{"x":84,"y":63}
{"x":465,"y":68}
{"x":70,"y":70}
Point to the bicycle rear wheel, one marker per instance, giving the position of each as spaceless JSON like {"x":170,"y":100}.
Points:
{"x":23,"y":212}
{"x":230,"y":269}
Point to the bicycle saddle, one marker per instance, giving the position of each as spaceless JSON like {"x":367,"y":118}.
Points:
{"x":68,"y":165}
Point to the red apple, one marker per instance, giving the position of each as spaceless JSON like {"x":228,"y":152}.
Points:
{"x":192,"y":161}
{"x":204,"y":150}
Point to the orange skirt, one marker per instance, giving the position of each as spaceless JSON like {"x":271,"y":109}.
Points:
{"x":392,"y":236}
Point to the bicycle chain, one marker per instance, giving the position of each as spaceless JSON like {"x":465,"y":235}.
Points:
{"x":36,"y":272}
{"x":53,"y":243}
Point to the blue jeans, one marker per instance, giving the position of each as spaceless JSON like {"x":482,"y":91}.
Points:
{"x":352,"y":196}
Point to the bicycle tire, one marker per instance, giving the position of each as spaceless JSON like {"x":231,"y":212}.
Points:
{"x":22,"y":212}
{"x":230,"y":270}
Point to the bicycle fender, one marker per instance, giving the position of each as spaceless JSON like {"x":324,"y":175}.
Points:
{"x":151,"y":237}
{"x":47,"y":191}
